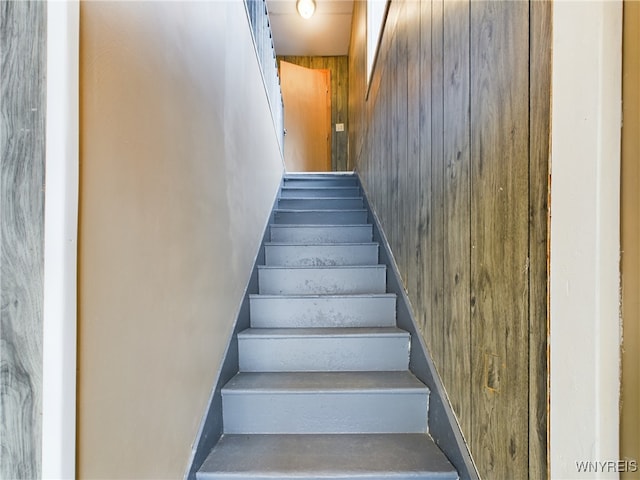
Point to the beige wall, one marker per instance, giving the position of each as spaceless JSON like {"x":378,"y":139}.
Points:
{"x":179,"y":168}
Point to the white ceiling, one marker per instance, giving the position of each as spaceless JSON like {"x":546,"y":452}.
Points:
{"x":326,"y":33}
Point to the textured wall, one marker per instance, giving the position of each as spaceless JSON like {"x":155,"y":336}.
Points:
{"x":180,"y":165}
{"x":339,"y":68}
{"x":23,"y":105}
{"x":452,"y":145}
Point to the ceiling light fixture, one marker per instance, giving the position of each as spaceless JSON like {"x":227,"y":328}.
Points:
{"x":306,"y":8}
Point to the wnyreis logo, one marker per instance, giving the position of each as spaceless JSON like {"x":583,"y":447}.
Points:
{"x":609,"y":466}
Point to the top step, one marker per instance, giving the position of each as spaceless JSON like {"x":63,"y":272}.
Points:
{"x":319,"y":192}
{"x":318,"y":181}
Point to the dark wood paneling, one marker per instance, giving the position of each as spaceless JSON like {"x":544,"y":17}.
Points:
{"x":436,"y":295}
{"x":23,"y":105}
{"x":456,"y":364}
{"x":539,"y":187}
{"x":500,"y":237}
{"x":339,"y":68}
{"x":466,"y":216}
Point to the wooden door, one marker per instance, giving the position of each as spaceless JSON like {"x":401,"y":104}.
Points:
{"x":307,"y":118}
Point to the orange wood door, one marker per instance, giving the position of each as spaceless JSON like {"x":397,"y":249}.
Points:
{"x":307,"y":118}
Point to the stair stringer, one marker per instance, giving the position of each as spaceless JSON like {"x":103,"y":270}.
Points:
{"x":442,"y":423}
{"x":211,"y":426}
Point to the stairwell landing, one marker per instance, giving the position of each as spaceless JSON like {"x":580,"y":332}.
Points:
{"x":324,"y":389}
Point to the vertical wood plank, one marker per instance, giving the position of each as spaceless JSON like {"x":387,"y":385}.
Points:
{"x":414,"y":257}
{"x":23,"y":106}
{"x":456,"y":365}
{"x":499,"y":236}
{"x":401,"y":126}
{"x":425,"y":225}
{"x":437,"y":184}
{"x":540,"y":119}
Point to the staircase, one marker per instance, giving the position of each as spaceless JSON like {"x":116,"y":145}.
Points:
{"x":324,"y":389}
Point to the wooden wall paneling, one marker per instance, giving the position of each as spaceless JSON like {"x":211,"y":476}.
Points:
{"x":540,"y":119}
{"x":499,"y":237}
{"x":23,"y":105}
{"x":413,"y":255}
{"x":357,"y":83}
{"x":456,"y":364}
{"x":437,"y":184}
{"x":401,"y":126}
{"x":425,"y":224}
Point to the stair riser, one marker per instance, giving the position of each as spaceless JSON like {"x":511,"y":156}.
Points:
{"x":270,"y":312}
{"x":317,"y":182}
{"x":319,"y":217}
{"x":322,"y":234}
{"x":325,"y":412}
{"x":309,"y":281}
{"x":321,"y":255}
{"x":295,"y":354}
{"x":319,"y":203}
{"x":320,"y":192}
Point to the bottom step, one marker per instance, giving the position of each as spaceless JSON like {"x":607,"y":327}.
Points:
{"x":342,"y":456}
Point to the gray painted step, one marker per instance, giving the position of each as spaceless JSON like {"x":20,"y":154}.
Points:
{"x":321,"y":182}
{"x":322,"y":280}
{"x":345,"y":203}
{"x":323,"y":349}
{"x":321,"y":233}
{"x":319,"y":192}
{"x":296,"y":255}
{"x":320,"y":217}
{"x":277,"y":311}
{"x":325,"y":402}
{"x":336,"y":457}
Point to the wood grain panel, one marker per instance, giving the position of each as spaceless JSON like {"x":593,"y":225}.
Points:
{"x":339,"y":68}
{"x":23,"y":40}
{"x":436,"y":326}
{"x":425,"y":227}
{"x":499,"y":237}
{"x":540,"y":119}
{"x":413,"y":255}
{"x":456,"y":364}
{"x":479,"y":205}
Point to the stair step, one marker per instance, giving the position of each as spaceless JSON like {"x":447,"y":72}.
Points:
{"x":300,"y":255}
{"x":341,"y":457}
{"x":323,"y":349}
{"x":322,"y":280}
{"x":321,"y":233}
{"x":279,"y":311}
{"x":344,"y":203}
{"x":325,"y":402}
{"x":315,"y":192}
{"x":345,"y":181}
{"x":320,"y":217}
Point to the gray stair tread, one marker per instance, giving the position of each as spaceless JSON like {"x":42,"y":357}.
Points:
{"x":311,"y":296}
{"x":358,"y":197}
{"x":323,"y":267}
{"x":331,"y":456}
{"x":334,"y":332}
{"x":319,"y":244}
{"x":324,"y":225}
{"x":313,"y":382}
{"x":320,"y":210}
